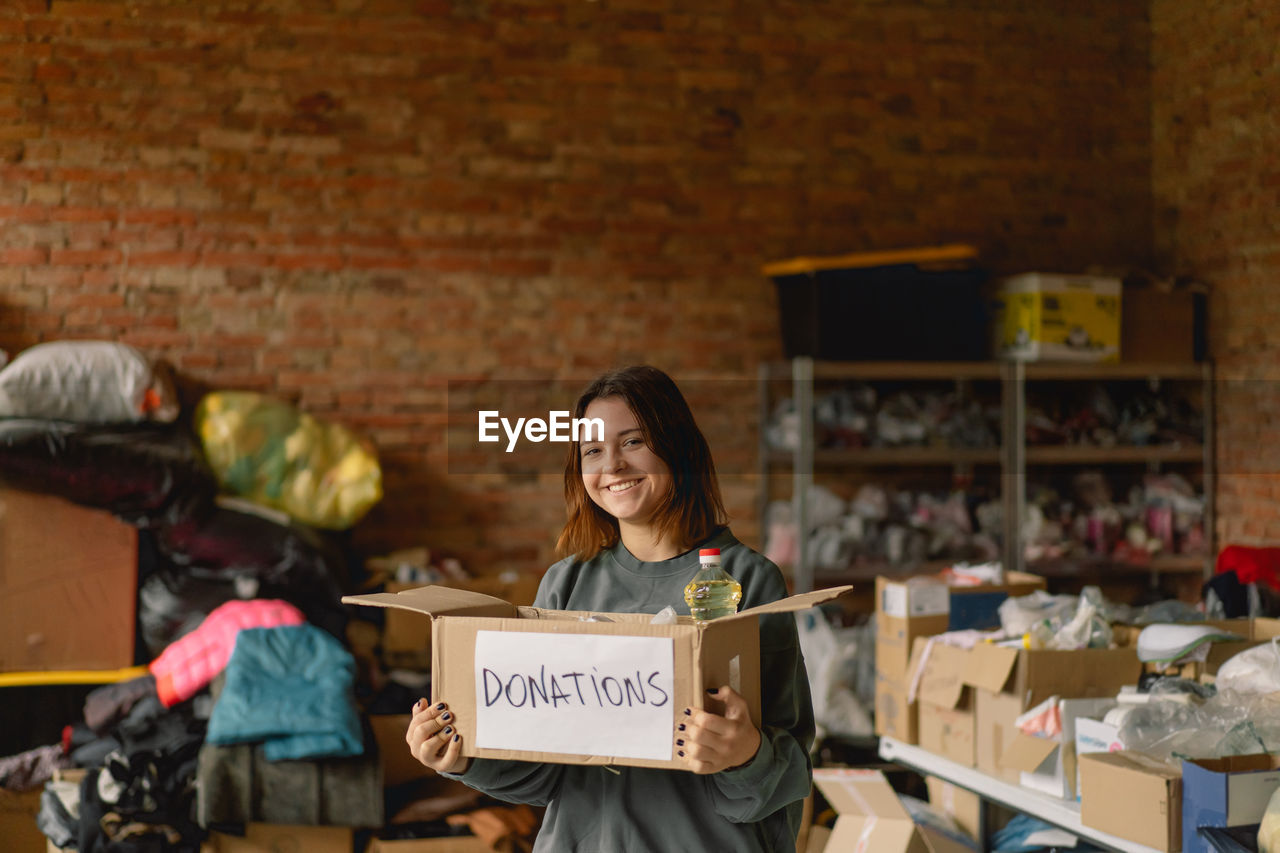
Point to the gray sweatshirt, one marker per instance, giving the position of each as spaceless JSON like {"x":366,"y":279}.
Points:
{"x":755,"y":807}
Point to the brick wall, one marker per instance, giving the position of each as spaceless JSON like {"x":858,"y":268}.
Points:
{"x":1216,"y":180}
{"x":348,"y":204}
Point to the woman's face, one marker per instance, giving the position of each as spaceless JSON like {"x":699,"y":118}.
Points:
{"x":621,"y":474}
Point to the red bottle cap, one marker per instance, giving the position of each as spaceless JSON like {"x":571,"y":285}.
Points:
{"x":708,"y":552}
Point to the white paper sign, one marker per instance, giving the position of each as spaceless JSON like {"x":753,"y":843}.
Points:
{"x":574,"y":693}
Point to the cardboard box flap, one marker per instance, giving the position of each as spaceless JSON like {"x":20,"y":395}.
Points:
{"x":941,"y":681}
{"x":1027,"y":753}
{"x":803,"y":601}
{"x":856,"y":832}
{"x":871,"y":817}
{"x":860,"y":792}
{"x":938,"y":842}
{"x":990,"y":666}
{"x":1137,"y":761}
{"x":437,"y":601}
{"x":1238,"y":763}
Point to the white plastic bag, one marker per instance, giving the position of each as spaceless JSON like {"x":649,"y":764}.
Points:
{"x":841,"y":667}
{"x":1255,"y":670}
{"x":93,"y":382}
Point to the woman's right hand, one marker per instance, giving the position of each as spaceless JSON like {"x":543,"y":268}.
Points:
{"x":433,"y":738}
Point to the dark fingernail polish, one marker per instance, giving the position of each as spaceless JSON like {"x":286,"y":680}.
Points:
{"x":680,"y":742}
{"x":455,"y":737}
{"x":682,"y":727}
{"x":448,"y":729}
{"x":680,"y":753}
{"x":713,"y":692}
{"x":687,"y":712}
{"x":445,"y":716}
{"x":440,"y":707}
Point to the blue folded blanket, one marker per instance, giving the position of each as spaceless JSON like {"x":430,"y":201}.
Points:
{"x":290,"y":688}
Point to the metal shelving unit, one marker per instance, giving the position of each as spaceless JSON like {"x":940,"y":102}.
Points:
{"x":1013,"y":456}
{"x":1054,"y":810}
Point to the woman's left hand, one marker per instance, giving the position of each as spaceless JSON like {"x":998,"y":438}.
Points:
{"x":710,"y":742}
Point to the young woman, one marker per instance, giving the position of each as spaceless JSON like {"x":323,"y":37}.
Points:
{"x":641,"y":502}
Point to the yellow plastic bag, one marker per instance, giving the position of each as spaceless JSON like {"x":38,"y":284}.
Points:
{"x":268,"y":452}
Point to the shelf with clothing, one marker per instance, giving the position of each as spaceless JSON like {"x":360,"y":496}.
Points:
{"x":995,"y":464}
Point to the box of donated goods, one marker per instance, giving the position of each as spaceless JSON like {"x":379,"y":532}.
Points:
{"x":1053,"y":317}
{"x":1047,"y":763}
{"x":406,"y":637}
{"x":945,"y":703}
{"x":929,"y":604}
{"x":870,"y":817}
{"x":1225,"y":792}
{"x":581,"y":688}
{"x":1008,"y":681}
{"x":960,"y":804}
{"x":897,"y":712}
{"x":1132,"y":796}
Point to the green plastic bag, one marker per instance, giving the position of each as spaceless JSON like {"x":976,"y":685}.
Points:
{"x":267,"y":452}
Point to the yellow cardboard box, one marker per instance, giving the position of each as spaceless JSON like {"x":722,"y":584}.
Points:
{"x":1054,"y":317}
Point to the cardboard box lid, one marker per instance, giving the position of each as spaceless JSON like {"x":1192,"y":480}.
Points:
{"x":1074,"y":674}
{"x":437,"y":601}
{"x":990,"y":666}
{"x":1027,"y":753}
{"x":1138,"y":763}
{"x":941,"y":679}
{"x":872,"y":818}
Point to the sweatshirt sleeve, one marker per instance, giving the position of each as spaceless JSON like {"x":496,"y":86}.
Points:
{"x":781,"y":772}
{"x":527,"y":782}
{"x":512,"y":781}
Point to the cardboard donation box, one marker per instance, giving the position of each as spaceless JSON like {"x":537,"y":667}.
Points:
{"x":68,"y":585}
{"x":926,"y":605}
{"x":1008,"y":681}
{"x":1132,"y":796}
{"x":897,"y":711}
{"x":1048,"y":764}
{"x":18,"y":827}
{"x":945,"y":703}
{"x":870,"y":816}
{"x":275,"y":838}
{"x":406,"y":637}
{"x":1225,"y":792}
{"x":960,"y":804}
{"x":446,"y":844}
{"x":581,"y":688}
{"x":910,"y":611}
{"x":1165,"y":325}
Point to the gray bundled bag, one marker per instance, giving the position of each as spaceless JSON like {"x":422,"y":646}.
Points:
{"x":90,"y":382}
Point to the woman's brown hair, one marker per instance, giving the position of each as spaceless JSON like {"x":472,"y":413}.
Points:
{"x":691,"y":510}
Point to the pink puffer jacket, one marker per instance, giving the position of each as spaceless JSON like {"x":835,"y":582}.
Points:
{"x":192,"y":661}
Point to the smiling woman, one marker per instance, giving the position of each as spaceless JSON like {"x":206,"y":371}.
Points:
{"x":642,"y":498}
{"x":626,"y":479}
{"x":651,"y":482}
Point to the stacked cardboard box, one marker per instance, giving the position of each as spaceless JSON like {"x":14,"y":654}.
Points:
{"x":1008,"y":681}
{"x":68,"y":585}
{"x":908,"y":612}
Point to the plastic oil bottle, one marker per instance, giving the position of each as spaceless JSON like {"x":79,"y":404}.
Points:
{"x":713,"y":592}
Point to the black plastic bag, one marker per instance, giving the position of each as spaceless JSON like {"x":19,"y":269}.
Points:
{"x":136,"y":473}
